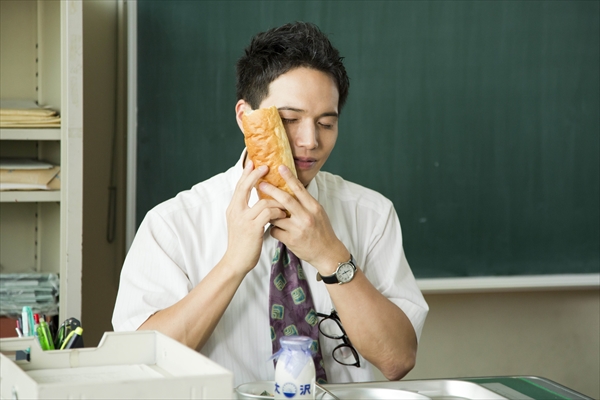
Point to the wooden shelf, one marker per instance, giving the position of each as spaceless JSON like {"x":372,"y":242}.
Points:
{"x":23,"y":196}
{"x":30,"y":134}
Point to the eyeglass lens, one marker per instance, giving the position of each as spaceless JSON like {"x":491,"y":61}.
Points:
{"x":345,"y":354}
{"x":331,"y":328}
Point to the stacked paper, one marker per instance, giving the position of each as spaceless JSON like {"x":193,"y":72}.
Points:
{"x":27,"y":174}
{"x":36,"y":290}
{"x":27,"y":114}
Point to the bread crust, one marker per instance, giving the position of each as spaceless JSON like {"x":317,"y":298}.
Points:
{"x":267,"y":144}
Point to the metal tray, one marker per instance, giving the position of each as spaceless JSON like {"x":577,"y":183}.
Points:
{"x":418,"y":390}
{"x":434,"y":389}
{"x":254,"y":390}
{"x":361,"y":393}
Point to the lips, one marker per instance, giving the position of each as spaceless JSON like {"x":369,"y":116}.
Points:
{"x":304,"y":162}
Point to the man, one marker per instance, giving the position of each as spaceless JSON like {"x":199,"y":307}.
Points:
{"x":199,"y":267}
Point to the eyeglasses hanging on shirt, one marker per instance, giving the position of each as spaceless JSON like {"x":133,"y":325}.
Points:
{"x":331,"y":326}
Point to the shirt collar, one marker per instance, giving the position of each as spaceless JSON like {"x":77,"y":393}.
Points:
{"x":313,"y":187}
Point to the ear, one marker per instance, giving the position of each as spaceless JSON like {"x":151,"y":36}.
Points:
{"x":241,"y":107}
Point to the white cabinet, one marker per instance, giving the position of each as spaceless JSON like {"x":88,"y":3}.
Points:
{"x":41,"y":59}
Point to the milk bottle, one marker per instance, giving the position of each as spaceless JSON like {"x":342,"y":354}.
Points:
{"x":295,"y":371}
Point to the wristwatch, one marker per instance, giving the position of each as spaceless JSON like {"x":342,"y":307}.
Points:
{"x":343,"y":274}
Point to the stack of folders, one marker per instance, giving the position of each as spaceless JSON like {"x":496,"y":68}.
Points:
{"x":27,"y":114}
{"x":36,"y":290}
{"x":28,"y":174}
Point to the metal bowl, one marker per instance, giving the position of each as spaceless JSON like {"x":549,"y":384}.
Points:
{"x":253,"y":390}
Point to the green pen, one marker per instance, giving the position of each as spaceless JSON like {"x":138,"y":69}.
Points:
{"x":43,"y":333}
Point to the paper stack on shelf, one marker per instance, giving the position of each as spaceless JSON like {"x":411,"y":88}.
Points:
{"x":27,"y":174}
{"x":36,"y":290}
{"x":27,"y":114}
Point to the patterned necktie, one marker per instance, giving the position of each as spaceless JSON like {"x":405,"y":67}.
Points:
{"x":292,"y":308}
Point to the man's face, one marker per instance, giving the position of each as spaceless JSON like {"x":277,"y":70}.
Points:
{"x":307,"y":101}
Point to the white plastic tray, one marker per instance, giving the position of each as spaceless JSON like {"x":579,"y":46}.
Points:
{"x":125,"y":365}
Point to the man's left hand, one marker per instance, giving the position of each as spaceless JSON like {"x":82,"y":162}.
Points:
{"x":307,"y":232}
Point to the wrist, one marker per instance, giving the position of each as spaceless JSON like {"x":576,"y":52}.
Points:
{"x":235,"y":267}
{"x":328,"y":264}
{"x":344,"y":273}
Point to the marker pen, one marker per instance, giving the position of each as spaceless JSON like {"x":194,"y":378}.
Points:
{"x":36,"y":323}
{"x":43,"y":334}
{"x":74,"y":340}
{"x":27,"y":316}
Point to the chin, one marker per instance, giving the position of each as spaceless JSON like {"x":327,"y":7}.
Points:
{"x":305,"y":178}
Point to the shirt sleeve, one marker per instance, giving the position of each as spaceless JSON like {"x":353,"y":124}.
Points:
{"x":387,"y":268}
{"x":152,"y":278}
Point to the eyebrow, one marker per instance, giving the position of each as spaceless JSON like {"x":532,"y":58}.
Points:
{"x":326,"y":114}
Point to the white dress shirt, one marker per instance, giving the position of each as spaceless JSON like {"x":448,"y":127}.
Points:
{"x":182,"y":239}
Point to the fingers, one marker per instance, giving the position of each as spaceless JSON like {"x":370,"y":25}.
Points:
{"x":248,"y":180}
{"x":280,"y":229}
{"x":284,"y":198}
{"x":270,"y":215}
{"x":293,"y":206}
{"x":292,"y":182}
{"x":264,"y":208}
{"x":295,"y":185}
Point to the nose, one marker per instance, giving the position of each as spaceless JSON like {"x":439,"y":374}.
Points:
{"x":306,"y":136}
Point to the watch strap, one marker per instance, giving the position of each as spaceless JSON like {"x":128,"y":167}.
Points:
{"x":330,"y":279}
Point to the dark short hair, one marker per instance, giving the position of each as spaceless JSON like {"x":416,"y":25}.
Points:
{"x":279,"y":50}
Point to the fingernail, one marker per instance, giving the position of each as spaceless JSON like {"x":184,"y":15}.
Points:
{"x":262,"y":186}
{"x":283,"y":169}
{"x":263,"y":168}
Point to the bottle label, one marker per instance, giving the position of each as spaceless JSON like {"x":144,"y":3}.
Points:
{"x":295,"y":386}
{"x":291,"y":390}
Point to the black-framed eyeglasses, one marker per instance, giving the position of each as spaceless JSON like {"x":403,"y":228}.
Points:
{"x":331,"y":326}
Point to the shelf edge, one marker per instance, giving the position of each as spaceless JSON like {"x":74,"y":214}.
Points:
{"x":30,"y":196}
{"x":30,"y":134}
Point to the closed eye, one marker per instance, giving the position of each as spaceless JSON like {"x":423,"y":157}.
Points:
{"x":326,"y":126}
{"x":288,"y":121}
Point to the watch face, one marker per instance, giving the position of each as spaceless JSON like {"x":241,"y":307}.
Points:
{"x":345,"y":273}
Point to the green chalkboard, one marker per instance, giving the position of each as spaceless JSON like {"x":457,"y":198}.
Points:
{"x":478,"y":119}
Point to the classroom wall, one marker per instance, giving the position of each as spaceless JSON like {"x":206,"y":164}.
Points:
{"x":554,"y":334}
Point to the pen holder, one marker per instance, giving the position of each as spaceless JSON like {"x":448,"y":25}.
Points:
{"x":20,"y":346}
{"x":28,"y":348}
